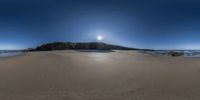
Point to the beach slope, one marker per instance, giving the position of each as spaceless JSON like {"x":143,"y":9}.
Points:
{"x":86,"y":75}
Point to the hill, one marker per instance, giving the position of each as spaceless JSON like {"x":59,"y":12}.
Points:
{"x":76,"y":46}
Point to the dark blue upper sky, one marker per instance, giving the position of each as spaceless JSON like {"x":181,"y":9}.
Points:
{"x":159,"y":24}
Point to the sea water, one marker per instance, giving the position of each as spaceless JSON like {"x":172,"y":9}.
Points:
{"x":186,"y":53}
{"x":9,"y":53}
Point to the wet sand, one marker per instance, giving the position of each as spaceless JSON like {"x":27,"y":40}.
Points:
{"x":119,"y":75}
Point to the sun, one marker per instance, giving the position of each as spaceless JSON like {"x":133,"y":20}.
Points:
{"x":99,"y":38}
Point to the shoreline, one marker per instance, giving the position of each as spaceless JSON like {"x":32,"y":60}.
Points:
{"x":17,"y":54}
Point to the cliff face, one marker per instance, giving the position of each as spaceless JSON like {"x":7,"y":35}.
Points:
{"x":70,"y":45}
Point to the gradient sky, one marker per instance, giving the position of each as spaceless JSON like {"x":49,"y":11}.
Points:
{"x":158,"y":24}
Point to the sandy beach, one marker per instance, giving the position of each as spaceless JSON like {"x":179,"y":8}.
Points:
{"x":78,"y":75}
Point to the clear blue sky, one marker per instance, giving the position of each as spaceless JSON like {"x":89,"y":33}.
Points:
{"x":158,"y":24}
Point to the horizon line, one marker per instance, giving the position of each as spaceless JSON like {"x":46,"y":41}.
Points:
{"x":101,"y":42}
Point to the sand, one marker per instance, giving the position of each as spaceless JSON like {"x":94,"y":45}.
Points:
{"x":119,"y":75}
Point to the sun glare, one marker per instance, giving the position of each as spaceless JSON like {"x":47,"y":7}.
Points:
{"x":99,"y":38}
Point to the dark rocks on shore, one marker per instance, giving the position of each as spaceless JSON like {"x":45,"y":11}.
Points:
{"x":175,"y":54}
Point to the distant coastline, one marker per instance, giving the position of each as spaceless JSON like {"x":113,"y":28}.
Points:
{"x":97,"y":46}
{"x":78,"y":46}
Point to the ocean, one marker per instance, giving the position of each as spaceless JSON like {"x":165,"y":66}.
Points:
{"x":9,"y":53}
{"x":186,"y":53}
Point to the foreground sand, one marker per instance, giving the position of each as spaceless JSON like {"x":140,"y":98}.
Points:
{"x":120,"y":75}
